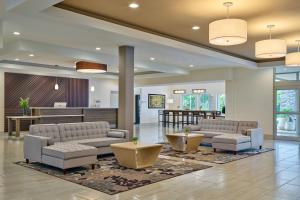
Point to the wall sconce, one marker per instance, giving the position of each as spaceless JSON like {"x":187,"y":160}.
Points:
{"x":198,"y":91}
{"x":179,"y":91}
{"x":92,"y":88}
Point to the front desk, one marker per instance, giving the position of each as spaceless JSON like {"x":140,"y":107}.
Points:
{"x":50,"y":115}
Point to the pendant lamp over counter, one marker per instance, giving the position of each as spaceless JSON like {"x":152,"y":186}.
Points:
{"x":89,"y":67}
{"x":227,"y":32}
{"x":271,"y":48}
{"x":293,"y":59}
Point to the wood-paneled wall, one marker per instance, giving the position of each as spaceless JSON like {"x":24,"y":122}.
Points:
{"x":40,"y":90}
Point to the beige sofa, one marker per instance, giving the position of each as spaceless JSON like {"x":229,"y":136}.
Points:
{"x":229,"y":134}
{"x":72,"y":144}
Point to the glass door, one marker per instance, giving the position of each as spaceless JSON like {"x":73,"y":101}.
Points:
{"x":286,"y":113}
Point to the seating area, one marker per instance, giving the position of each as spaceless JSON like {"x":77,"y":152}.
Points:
{"x":149,"y":100}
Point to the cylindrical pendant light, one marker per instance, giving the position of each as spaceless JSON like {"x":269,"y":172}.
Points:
{"x":271,"y":48}
{"x":56,"y":87}
{"x":89,"y":67}
{"x":226,"y":32}
{"x":293,"y":59}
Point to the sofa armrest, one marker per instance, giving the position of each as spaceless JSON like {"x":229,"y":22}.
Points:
{"x":257,"y":136}
{"x":192,"y":128}
{"x":33,"y":146}
{"x":124,"y":132}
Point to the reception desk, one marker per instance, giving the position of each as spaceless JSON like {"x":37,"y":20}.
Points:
{"x":49,"y":115}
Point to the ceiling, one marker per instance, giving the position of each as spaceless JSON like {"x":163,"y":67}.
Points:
{"x":59,"y":37}
{"x":174,"y":19}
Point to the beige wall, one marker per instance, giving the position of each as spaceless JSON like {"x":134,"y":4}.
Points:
{"x":249,"y":96}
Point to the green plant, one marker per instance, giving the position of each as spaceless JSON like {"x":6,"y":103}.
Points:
{"x":135,"y":140}
{"x":24,"y":103}
{"x":186,"y":130}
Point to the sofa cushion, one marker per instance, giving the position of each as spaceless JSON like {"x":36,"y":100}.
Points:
{"x":209,"y":134}
{"x":100,"y":142}
{"x":231,"y":139}
{"x":224,"y":126}
{"x":69,"y":150}
{"x":246,"y":125}
{"x":85,"y":130}
{"x":46,"y":130}
{"x":116,"y":134}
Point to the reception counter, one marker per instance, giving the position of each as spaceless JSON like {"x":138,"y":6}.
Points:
{"x":75,"y":114}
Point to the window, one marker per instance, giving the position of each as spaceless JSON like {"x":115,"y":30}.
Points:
{"x":220,"y":101}
{"x":204,"y":101}
{"x":189,"y":102}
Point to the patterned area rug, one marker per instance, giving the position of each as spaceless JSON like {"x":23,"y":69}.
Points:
{"x":110,"y":178}
{"x":206,"y":154}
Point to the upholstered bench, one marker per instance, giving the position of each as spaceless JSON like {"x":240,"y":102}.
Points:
{"x":69,"y":155}
{"x":231,"y":142}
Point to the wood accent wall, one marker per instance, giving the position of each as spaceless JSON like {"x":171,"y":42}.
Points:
{"x":40,"y":90}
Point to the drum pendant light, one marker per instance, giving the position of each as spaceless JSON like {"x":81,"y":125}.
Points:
{"x":226,"y":32}
{"x":293,"y":59}
{"x":271,"y":48}
{"x":89,"y":67}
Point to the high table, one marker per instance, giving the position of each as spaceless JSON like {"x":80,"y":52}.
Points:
{"x":18,"y":120}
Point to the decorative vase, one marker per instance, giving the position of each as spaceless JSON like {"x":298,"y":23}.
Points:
{"x":25,"y":111}
{"x":135,"y":142}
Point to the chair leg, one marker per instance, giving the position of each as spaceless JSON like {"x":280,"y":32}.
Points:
{"x":27,"y":161}
{"x":260,"y":147}
{"x":234,"y":152}
{"x":215,"y":150}
{"x":65,"y":171}
{"x":93,"y":166}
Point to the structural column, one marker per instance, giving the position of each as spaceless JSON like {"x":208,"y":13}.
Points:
{"x":126,"y":89}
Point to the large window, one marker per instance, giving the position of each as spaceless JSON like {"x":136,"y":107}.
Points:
{"x":204,"y":101}
{"x":189,"y":102}
{"x":220,"y":101}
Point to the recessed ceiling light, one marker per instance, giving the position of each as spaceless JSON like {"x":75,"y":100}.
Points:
{"x":196,"y":27}
{"x":31,"y":55}
{"x":16,"y":33}
{"x":98,"y":48}
{"x":191,"y":65}
{"x":17,"y":59}
{"x":152,"y":58}
{"x":133,"y":5}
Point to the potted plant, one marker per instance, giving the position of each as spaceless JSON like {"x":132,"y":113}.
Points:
{"x":135,"y":140}
{"x":24,"y":104}
{"x":186,"y":130}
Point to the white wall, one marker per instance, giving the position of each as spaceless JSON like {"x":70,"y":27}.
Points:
{"x":149,"y":115}
{"x":103,"y":88}
{"x":213,"y":88}
{"x":249,"y":96}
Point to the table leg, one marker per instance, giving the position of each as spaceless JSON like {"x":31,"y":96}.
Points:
{"x":9,"y":127}
{"x":18,"y":127}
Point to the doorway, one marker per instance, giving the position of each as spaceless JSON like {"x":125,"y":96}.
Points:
{"x":137,"y":109}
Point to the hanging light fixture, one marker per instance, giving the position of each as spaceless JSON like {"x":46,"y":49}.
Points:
{"x":293,"y":59}
{"x":271,"y":48}
{"x":56,"y":87}
{"x":226,"y":32}
{"x":89,"y":67}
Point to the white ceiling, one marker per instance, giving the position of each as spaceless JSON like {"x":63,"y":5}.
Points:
{"x":60,"y":37}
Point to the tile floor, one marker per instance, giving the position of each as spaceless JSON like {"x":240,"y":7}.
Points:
{"x":273,"y":175}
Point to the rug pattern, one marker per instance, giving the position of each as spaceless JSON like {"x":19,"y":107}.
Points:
{"x":110,"y":178}
{"x":206,"y":154}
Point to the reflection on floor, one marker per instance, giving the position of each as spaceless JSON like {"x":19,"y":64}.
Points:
{"x":272,"y":175}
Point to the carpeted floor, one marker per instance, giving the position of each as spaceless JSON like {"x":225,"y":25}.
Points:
{"x":206,"y":154}
{"x":110,"y":178}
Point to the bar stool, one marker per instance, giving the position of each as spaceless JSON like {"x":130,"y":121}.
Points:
{"x":176,"y":116}
{"x":166,"y":118}
{"x":185,"y":119}
{"x":195,"y":117}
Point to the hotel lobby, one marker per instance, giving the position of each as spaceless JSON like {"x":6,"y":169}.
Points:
{"x":138,"y":100}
